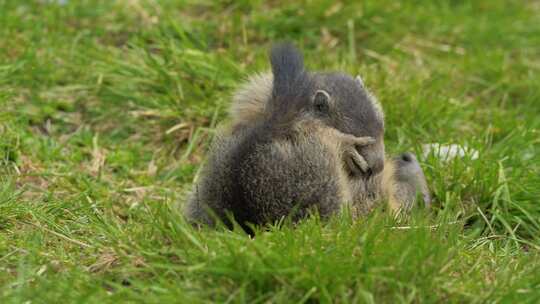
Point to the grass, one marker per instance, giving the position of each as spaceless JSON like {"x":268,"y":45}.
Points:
{"x":107,"y":109}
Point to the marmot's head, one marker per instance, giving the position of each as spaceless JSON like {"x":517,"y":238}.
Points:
{"x":411,"y":179}
{"x":337,"y":100}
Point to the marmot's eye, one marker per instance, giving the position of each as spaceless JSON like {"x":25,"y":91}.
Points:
{"x":321,"y":101}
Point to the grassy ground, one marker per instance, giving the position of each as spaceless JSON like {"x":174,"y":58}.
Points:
{"x":107,"y":108}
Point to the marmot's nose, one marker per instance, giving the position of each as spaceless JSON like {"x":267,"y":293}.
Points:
{"x":407,"y":157}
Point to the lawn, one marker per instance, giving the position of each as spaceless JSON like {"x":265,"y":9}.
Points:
{"x":107,"y":110}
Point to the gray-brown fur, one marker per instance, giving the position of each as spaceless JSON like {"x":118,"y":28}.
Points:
{"x":266,"y":183}
{"x":299,"y":142}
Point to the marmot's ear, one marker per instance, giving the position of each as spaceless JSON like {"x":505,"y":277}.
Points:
{"x":287,"y":66}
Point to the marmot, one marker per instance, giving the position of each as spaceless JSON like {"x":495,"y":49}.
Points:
{"x":301,"y":141}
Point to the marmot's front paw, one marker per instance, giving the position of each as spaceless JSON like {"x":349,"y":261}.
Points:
{"x":355,"y":162}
